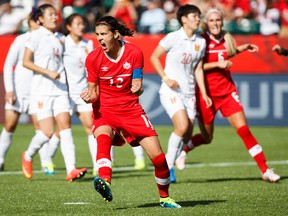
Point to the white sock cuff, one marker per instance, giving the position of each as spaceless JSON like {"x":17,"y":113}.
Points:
{"x":174,"y":140}
{"x":161,"y":181}
{"x":104,"y":162}
{"x":5,"y":132}
{"x":66,"y":132}
{"x":255,"y":150}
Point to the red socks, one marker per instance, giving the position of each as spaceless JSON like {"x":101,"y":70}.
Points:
{"x":162,"y":175}
{"x":197,"y":140}
{"x":103,"y":157}
{"x":253,"y":147}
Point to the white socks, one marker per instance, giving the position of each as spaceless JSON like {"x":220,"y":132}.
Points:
{"x":36,"y":143}
{"x":138,"y":153}
{"x":173,"y":148}
{"x":68,"y":149}
{"x":5,"y":142}
{"x":48,"y":150}
{"x":93,"y":149}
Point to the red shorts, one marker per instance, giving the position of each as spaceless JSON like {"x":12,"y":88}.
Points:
{"x":133,"y":127}
{"x":228,"y":105}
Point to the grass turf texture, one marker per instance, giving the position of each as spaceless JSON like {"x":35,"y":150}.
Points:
{"x":203,"y":188}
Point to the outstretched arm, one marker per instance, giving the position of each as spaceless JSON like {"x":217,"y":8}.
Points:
{"x":279,"y":50}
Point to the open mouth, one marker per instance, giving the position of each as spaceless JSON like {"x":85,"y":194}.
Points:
{"x":103,"y":45}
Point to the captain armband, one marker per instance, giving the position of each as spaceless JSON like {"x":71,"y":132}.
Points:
{"x":137,"y":73}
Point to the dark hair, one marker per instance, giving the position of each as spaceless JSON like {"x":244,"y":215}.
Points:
{"x":114,"y":25}
{"x":69,"y":20}
{"x":38,"y":12}
{"x":184,"y":10}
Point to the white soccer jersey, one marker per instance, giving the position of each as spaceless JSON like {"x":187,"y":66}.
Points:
{"x":48,"y":53}
{"x":74,"y":63}
{"x":18,"y":79}
{"x":183,"y":54}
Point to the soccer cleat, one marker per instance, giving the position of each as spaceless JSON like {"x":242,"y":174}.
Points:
{"x":181,"y":161}
{"x":103,"y":187}
{"x":94,"y":172}
{"x":172,"y":176}
{"x":26,"y":167}
{"x":139,"y":164}
{"x":168,"y":203}
{"x":49,"y":169}
{"x":1,"y":167}
{"x":270,"y":176}
{"x":76,"y":174}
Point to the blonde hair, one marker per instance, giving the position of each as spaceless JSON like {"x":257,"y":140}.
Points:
{"x":230,"y":43}
{"x":229,"y":40}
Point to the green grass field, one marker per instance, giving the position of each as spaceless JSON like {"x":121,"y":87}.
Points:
{"x":220,"y":179}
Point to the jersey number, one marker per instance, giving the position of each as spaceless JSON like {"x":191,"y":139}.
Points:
{"x":146,"y":121}
{"x":118,"y":82}
{"x":220,"y":57}
{"x":187,"y":58}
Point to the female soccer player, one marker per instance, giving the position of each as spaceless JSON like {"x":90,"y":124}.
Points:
{"x":222,"y":90}
{"x":184,"y":60}
{"x":49,"y":94}
{"x":17,"y":87}
{"x":114,"y":84}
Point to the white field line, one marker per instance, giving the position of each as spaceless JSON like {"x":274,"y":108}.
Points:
{"x":200,"y":165}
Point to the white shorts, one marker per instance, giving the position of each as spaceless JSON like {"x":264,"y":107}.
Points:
{"x":21,"y":105}
{"x":48,"y":106}
{"x":78,"y":105}
{"x":173,"y":101}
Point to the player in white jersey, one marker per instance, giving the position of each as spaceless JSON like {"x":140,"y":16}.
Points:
{"x":76,"y":49}
{"x":17,"y":81}
{"x":183,"y":67}
{"x":49,"y":92}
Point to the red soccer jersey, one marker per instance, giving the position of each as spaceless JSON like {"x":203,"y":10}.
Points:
{"x":218,"y":81}
{"x":114,"y":78}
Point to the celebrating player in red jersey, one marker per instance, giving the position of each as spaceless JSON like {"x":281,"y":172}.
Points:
{"x":114,"y":84}
{"x":222,"y":90}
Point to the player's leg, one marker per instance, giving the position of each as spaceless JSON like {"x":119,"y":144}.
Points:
{"x":48,"y":150}
{"x":10,"y":124}
{"x":61,"y":108}
{"x":162,"y":176}
{"x":175,"y":108}
{"x":139,"y":158}
{"x":104,"y":136}
{"x":87,"y":121}
{"x":238,"y":121}
{"x":46,"y":124}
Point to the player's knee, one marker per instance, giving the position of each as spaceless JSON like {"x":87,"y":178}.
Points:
{"x":181,"y":130}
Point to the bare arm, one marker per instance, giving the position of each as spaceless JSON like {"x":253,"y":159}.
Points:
{"x":155,"y":61}
{"x":248,"y":47}
{"x":222,"y":65}
{"x":28,"y":63}
{"x":199,"y":74}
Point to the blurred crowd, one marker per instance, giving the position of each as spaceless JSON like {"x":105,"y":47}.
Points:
{"x":266,"y":17}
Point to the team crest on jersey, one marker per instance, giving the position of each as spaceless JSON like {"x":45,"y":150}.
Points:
{"x":197,"y":47}
{"x":40,"y":104}
{"x":173,"y":100}
{"x":211,"y":46}
{"x":126,"y":65}
{"x":104,"y":69}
